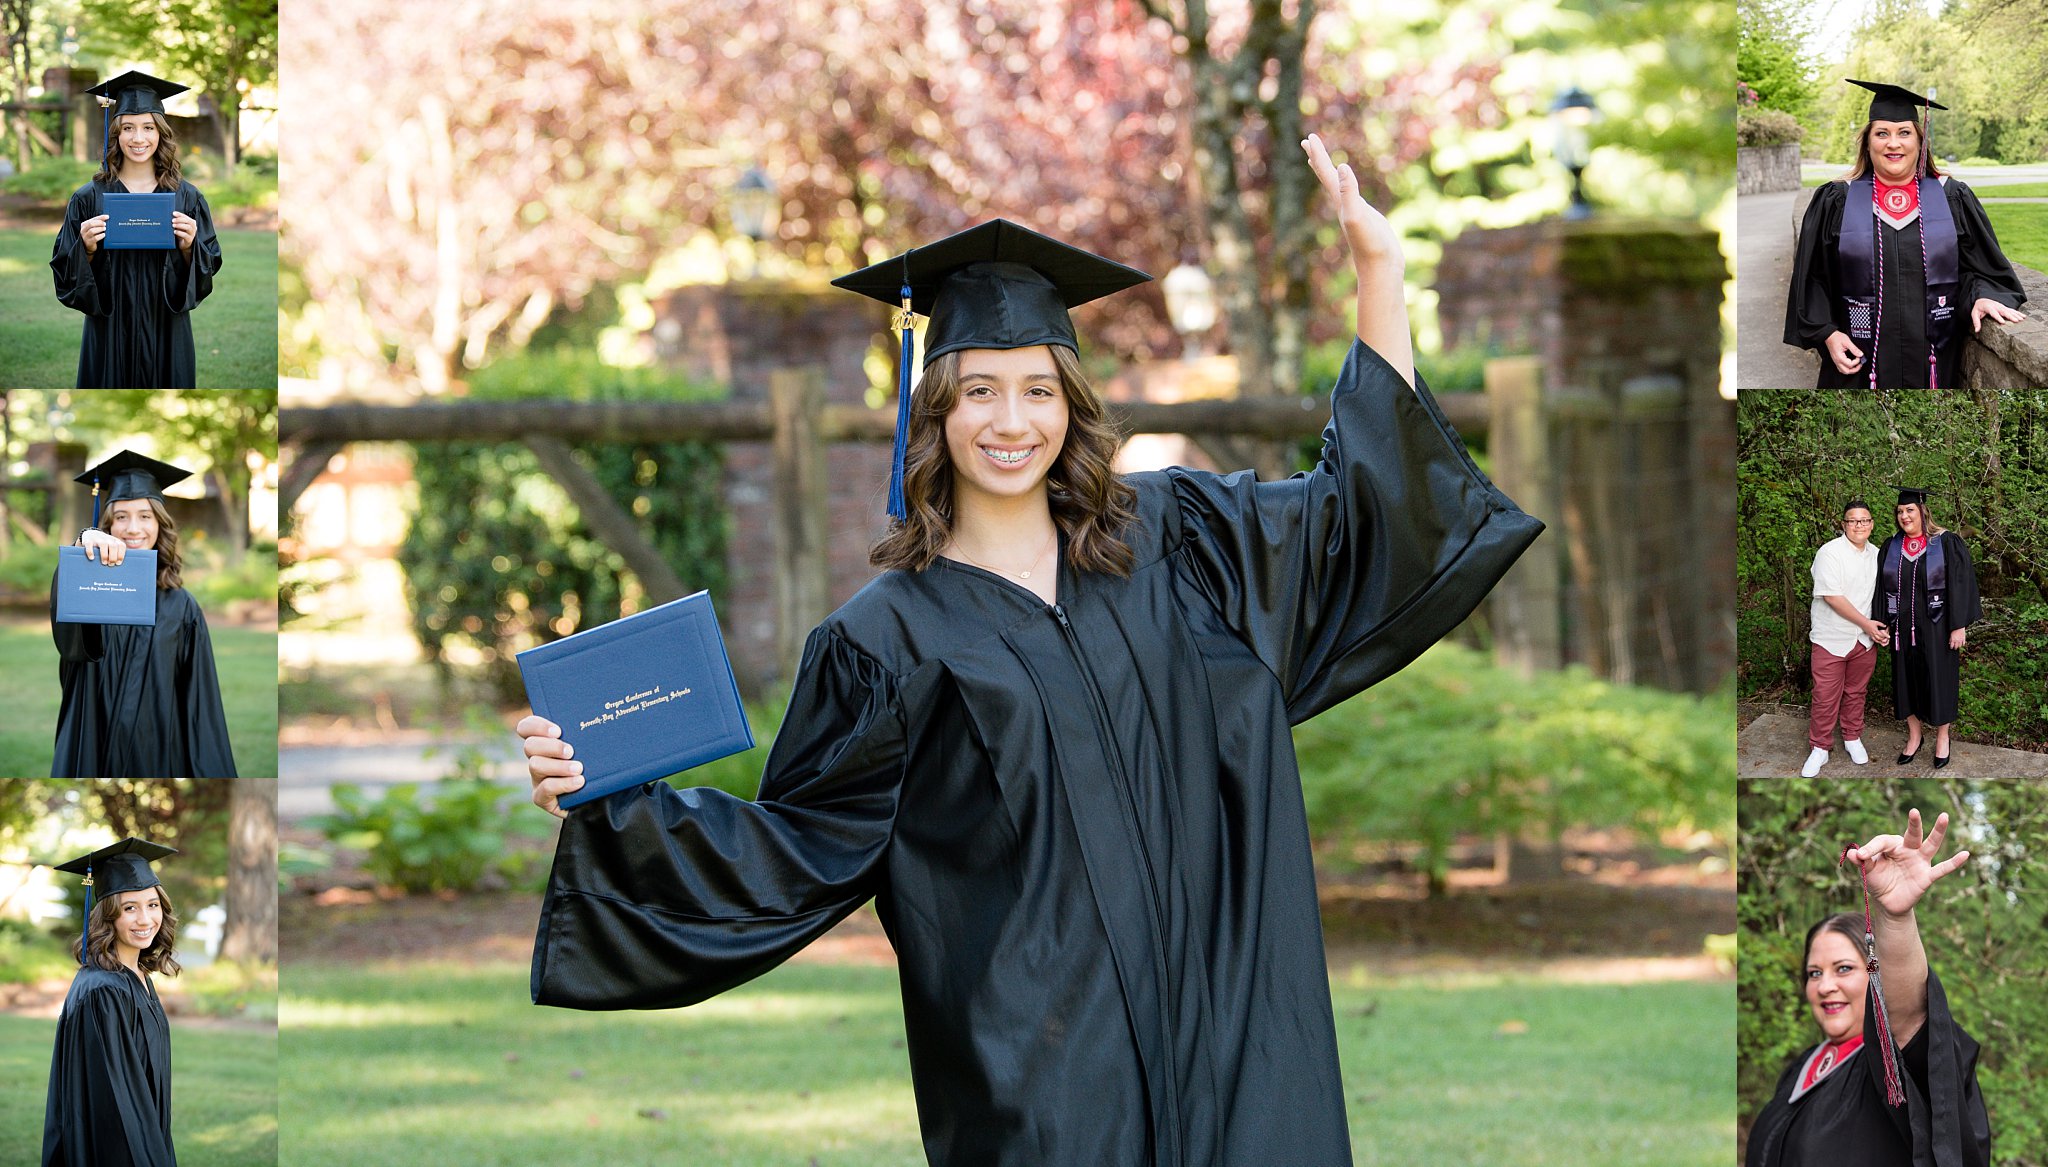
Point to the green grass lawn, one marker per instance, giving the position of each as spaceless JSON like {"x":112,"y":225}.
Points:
{"x":2022,"y":233}
{"x":447,"y":1063}
{"x":223,"y":1092}
{"x":246,"y":660}
{"x":2018,"y":190}
{"x":234,"y":329}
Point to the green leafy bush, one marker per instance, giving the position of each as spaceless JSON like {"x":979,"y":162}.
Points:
{"x":1454,"y":745}
{"x":1766,"y":127}
{"x":447,"y":841}
{"x":52,"y":179}
{"x":496,"y":557}
{"x":28,"y":954}
{"x":28,"y":568}
{"x":251,"y":577}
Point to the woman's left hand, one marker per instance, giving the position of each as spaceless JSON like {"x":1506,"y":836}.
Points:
{"x":185,"y":228}
{"x":1957,"y":638}
{"x":1371,"y":238}
{"x":1985,"y":306}
{"x":1900,"y":868}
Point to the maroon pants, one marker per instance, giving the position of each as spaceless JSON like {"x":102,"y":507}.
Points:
{"x":1838,"y":685}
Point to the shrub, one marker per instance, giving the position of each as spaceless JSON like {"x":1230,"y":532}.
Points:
{"x":51,"y":179}
{"x":1766,"y":127}
{"x":448,"y":843}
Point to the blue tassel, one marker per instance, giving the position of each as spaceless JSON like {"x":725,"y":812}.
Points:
{"x":95,"y":503}
{"x":85,"y":931}
{"x":898,"y":510}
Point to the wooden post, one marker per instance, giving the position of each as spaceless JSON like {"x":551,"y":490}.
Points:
{"x":606,"y":518}
{"x":796,"y":399}
{"x":1527,"y":608}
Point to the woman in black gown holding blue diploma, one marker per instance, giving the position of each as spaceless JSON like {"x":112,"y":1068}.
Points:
{"x":1051,"y":740}
{"x":140,"y":700}
{"x":137,"y":304}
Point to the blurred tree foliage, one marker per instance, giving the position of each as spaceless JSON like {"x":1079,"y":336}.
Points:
{"x":1803,"y":454}
{"x":507,"y":161}
{"x":1770,"y":56}
{"x":1984,"y":59}
{"x":1983,"y":927}
{"x":496,"y":558}
{"x":1453,"y":746}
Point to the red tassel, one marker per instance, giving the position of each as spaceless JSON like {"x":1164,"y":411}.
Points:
{"x":1894,"y":1093}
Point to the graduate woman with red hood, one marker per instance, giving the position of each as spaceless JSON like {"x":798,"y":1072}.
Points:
{"x":1051,"y":739}
{"x":1893,"y":1080}
{"x":1897,"y":262}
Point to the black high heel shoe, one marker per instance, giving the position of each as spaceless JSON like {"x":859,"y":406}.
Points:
{"x":1906,"y":759}
{"x":1940,"y":761}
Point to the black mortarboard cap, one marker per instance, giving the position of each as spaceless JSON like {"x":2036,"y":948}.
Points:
{"x":134,"y":92}
{"x":128,"y":474}
{"x":1894,"y":103}
{"x":1912,"y":494}
{"x":998,"y":286}
{"x":131,"y":92}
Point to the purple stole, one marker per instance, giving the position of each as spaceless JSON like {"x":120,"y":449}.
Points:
{"x":1891,"y":569}
{"x":1863,"y":277}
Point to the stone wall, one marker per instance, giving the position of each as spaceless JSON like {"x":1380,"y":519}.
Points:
{"x":2001,"y":356}
{"x":738,"y":334}
{"x":1635,"y":444}
{"x":1766,"y":168}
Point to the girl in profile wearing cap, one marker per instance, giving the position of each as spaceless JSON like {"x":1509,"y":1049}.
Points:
{"x":1893,"y":259}
{"x":110,"y":1072}
{"x":140,"y":701}
{"x":1051,"y":738}
{"x":137,"y":303}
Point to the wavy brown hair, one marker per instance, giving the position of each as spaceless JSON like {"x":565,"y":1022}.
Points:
{"x":1863,"y":166}
{"x":170,"y":569}
{"x":97,"y":945}
{"x":1091,"y":503}
{"x":169,"y":173}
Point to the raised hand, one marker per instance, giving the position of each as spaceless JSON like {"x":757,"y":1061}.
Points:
{"x":1367,"y":231}
{"x":1900,"y":868}
{"x":548,"y":762}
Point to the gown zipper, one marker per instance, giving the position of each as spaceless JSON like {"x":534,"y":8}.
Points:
{"x":1158,"y":914}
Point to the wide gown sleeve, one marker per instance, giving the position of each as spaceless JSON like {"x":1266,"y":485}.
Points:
{"x":117,"y":1112}
{"x":1964,"y":606}
{"x":80,"y":643}
{"x":199,"y":703}
{"x":1339,"y":576}
{"x":661,"y":898}
{"x":190,"y":280}
{"x":1987,"y":273}
{"x":1944,"y":1118}
{"x":76,"y":271}
{"x":1810,"y":301}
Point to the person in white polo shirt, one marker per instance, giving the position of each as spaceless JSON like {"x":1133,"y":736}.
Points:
{"x":1844,"y":577}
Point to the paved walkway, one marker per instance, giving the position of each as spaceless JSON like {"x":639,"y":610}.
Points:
{"x":305,"y":772}
{"x":1774,"y":746}
{"x":1763,"y":263}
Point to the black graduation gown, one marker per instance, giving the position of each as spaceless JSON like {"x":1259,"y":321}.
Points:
{"x":1926,"y":672}
{"x":110,"y":1076}
{"x":141,"y":701}
{"x":138,"y":331}
{"x":1814,"y":309}
{"x":1081,"y":823}
{"x":1844,"y":1119}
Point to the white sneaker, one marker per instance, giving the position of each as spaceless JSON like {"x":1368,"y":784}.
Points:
{"x":1814,"y":761}
{"x":1855,"y":748}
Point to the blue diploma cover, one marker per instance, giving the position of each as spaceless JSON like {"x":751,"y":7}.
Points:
{"x":138,"y":222}
{"x":90,"y":592}
{"x":640,"y":698}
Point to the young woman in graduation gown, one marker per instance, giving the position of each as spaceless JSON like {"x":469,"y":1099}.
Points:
{"x":1927,"y":595}
{"x":1894,"y":260}
{"x":109,"y":1100}
{"x":1052,"y":741}
{"x":1832,"y":1104}
{"x":137,"y":304}
{"x":140,"y":700}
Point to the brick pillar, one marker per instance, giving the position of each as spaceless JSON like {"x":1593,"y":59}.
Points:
{"x":739,"y":334}
{"x":1624,"y":318}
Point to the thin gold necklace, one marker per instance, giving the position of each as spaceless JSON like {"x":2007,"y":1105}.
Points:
{"x":1005,"y":571}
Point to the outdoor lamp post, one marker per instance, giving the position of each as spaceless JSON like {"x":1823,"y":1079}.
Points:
{"x":753,"y":204}
{"x":1571,"y":117}
{"x":1190,"y":306}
